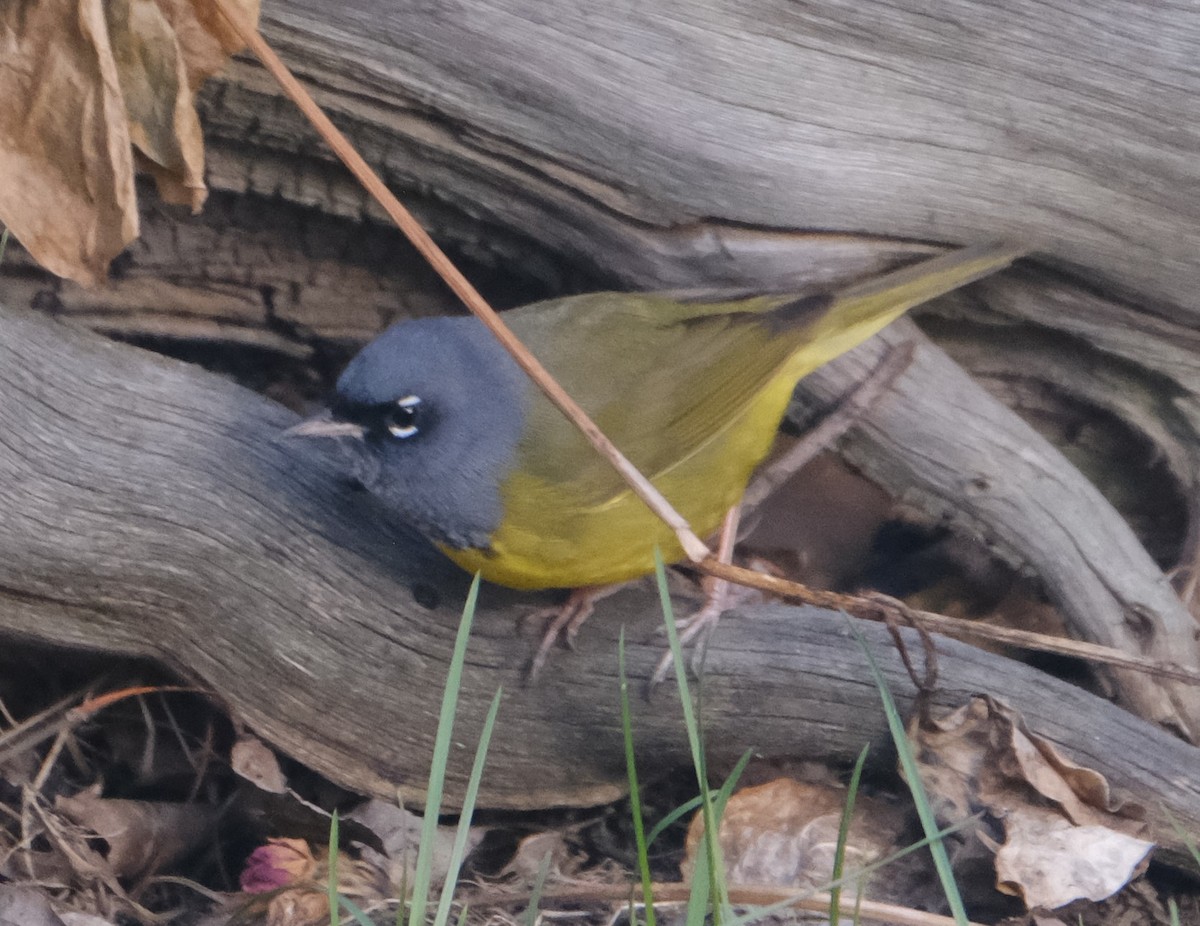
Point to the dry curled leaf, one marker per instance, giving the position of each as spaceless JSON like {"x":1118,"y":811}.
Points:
{"x":159,"y":104}
{"x":1048,"y":861}
{"x":143,"y":837}
{"x":82,"y":84}
{"x":785,"y":833}
{"x":64,"y":142}
{"x":251,"y":758}
{"x":399,"y":834}
{"x":550,"y":850}
{"x":205,"y":37}
{"x":1066,"y":836}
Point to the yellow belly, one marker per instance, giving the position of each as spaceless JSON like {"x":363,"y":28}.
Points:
{"x":565,"y":525}
{"x":546,"y":542}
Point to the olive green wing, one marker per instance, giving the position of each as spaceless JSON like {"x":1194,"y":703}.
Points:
{"x":661,"y":376}
{"x":658,"y":377}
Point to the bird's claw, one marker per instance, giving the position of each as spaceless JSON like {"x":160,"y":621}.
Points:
{"x":563,"y":626}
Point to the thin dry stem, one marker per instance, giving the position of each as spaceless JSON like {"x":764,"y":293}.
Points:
{"x":693,"y":546}
{"x":872,"y":608}
{"x":696,"y":550}
{"x":741,"y":895}
{"x":847,"y":413}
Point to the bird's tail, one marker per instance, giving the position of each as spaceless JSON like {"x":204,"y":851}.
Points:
{"x":859,"y":311}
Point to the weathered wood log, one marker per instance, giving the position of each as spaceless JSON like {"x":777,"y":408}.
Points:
{"x":635,"y":136}
{"x":150,"y":510}
{"x":689,"y":142}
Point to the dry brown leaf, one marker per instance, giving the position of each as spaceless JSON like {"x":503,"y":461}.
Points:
{"x":159,"y":103}
{"x":80,"y":82}
{"x":65,"y":154}
{"x":1063,"y":828}
{"x":986,"y":756}
{"x":565,"y":861}
{"x":785,"y":832}
{"x":1048,"y":861}
{"x":205,"y":37}
{"x":399,"y":834}
{"x":183,"y":43}
{"x":251,"y":758}
{"x":166,"y":50}
{"x":143,"y":836}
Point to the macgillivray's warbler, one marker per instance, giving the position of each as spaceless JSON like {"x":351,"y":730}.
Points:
{"x":452,"y":436}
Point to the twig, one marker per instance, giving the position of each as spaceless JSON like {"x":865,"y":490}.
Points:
{"x":871,"y":608}
{"x":844,"y":416}
{"x":692,"y":545}
{"x":742,"y":895}
{"x":695,"y":549}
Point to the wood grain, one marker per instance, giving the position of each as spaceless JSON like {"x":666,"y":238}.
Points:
{"x":150,"y":510}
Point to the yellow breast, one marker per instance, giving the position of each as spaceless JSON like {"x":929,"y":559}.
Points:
{"x":545,"y":541}
{"x":697,"y":392}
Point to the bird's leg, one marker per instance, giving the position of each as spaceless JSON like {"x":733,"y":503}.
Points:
{"x":845,"y":414}
{"x":717,"y":599}
{"x":565,"y":620}
{"x":719,"y":594}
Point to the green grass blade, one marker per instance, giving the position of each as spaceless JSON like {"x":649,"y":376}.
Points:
{"x":908,"y":762}
{"x":423,"y":875}
{"x":685,"y":695}
{"x":404,"y":892}
{"x":3,"y":244}
{"x":673,"y":817}
{"x":635,"y":796}
{"x":839,"y":855}
{"x":853,"y":877}
{"x":539,"y":884}
{"x":1184,"y":836}
{"x":716,"y":870}
{"x":463,"y":833}
{"x":726,"y":790}
{"x":704,"y":886}
{"x":699,"y":895}
{"x":357,"y":912}
{"x":334,"y":837}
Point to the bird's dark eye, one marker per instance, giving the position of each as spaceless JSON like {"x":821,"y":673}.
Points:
{"x":402,"y":417}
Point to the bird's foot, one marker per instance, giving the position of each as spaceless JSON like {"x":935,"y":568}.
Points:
{"x":562,"y":622}
{"x":719,"y":596}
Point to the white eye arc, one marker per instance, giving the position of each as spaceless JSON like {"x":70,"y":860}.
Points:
{"x":401,"y":422}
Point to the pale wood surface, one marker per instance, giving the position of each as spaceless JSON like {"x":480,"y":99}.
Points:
{"x":652,"y":145}
{"x":149,"y":511}
{"x":1072,"y":126}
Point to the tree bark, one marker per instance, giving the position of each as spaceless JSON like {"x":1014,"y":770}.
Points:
{"x":151,"y":511}
{"x":1065,"y":126}
{"x":725,"y":143}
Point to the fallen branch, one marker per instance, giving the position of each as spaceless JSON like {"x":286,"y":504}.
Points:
{"x":149,"y":512}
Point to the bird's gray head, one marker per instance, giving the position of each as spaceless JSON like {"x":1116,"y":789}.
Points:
{"x":435,"y":408}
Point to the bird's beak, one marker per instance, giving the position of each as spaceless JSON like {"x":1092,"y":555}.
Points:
{"x":325,"y":426}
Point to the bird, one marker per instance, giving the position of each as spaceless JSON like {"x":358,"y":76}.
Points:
{"x":450,"y":436}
